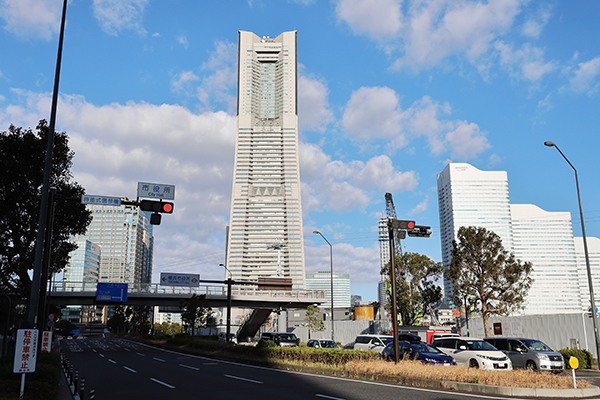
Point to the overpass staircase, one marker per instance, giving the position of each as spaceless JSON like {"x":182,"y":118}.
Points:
{"x":252,"y":324}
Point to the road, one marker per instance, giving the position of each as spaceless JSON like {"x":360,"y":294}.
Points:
{"x":120,"y":369}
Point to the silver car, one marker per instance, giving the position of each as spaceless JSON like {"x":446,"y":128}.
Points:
{"x":529,"y":353}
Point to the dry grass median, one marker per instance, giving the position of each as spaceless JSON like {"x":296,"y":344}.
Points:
{"x":514,"y":378}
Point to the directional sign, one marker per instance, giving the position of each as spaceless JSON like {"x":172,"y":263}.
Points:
{"x":25,"y":351}
{"x":100,"y":200}
{"x":111,"y":291}
{"x":190,"y":280}
{"x":156,"y":191}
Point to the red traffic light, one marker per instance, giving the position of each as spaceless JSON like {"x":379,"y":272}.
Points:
{"x":167,"y":207}
{"x":402,"y":224}
{"x":156,"y":206}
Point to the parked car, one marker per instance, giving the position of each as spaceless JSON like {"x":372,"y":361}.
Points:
{"x":473,"y":352}
{"x":418,"y":351}
{"x":529,"y":353}
{"x":372,"y":342}
{"x":282,"y":339}
{"x":322,"y":344}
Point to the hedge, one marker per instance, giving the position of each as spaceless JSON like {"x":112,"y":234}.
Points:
{"x":586,"y":360}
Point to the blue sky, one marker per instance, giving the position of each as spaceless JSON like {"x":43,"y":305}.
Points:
{"x":389,"y":92}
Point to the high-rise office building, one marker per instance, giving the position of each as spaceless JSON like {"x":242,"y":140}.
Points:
{"x":265,"y":236}
{"x":546,"y":240}
{"x":470,"y":197}
{"x":83,"y":267}
{"x":124,"y":235}
{"x":341,"y":288}
{"x":593,"y":244}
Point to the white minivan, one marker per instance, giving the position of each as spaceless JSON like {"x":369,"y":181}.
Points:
{"x":472,"y":352}
{"x":372,"y":342}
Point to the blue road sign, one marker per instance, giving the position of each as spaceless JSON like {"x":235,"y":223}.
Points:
{"x":111,"y":291}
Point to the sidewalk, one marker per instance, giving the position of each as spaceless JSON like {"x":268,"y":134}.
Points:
{"x":64,"y":392}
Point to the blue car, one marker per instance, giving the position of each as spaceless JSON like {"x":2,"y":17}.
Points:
{"x":421,"y":351}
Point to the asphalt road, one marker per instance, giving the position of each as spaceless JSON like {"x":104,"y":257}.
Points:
{"x":122,"y":370}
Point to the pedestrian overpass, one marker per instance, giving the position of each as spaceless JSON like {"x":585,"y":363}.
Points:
{"x":243,"y":295}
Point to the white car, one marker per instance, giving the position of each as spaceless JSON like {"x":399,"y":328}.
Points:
{"x":473,"y":352}
{"x":372,"y":342}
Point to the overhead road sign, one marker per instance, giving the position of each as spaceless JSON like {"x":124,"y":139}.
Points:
{"x":156,"y":191}
{"x":189,"y":280}
{"x":106,"y":291}
{"x":100,"y":200}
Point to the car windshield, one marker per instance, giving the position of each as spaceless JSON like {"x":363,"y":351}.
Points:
{"x":387,"y":341}
{"x":480,"y":345}
{"x":536,"y":345}
{"x":424,"y":348}
{"x":327,"y":344}
{"x":288,"y":337}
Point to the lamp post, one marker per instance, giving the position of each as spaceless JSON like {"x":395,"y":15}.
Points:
{"x":331,"y":276}
{"x":585,"y":250}
{"x":228,"y":329}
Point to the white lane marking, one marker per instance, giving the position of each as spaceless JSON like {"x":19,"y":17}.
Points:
{"x":243,"y":379}
{"x":101,"y":355}
{"x":158,"y":359}
{"x":129,"y":369}
{"x":94,"y":350}
{"x":140,"y":354}
{"x":112,"y":361}
{"x":126,"y":349}
{"x":189,"y":366}
{"x":162,"y":383}
{"x":210,"y":363}
{"x":328,"y":397}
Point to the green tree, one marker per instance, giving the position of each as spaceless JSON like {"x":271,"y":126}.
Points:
{"x":22,"y":161}
{"x":483,"y":272}
{"x":416,"y":291}
{"x":196,"y":313}
{"x":314,"y":320}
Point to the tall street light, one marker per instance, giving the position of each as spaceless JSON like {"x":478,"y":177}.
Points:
{"x":331,"y":276}
{"x":585,"y":250}
{"x":228,"y":330}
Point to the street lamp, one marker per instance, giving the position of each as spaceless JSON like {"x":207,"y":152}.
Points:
{"x":585,"y":250}
{"x":228,"y":329}
{"x":331,"y":276}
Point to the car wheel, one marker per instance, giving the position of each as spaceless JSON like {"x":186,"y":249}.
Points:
{"x":530,"y":366}
{"x":473,"y":364}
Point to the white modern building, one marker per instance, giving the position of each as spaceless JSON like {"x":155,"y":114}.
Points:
{"x":265,"y":236}
{"x":470,"y":197}
{"x":593,"y":244}
{"x":546,"y":240}
{"x":341,"y":288}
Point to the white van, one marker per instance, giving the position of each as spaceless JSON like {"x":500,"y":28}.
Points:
{"x":372,"y":342}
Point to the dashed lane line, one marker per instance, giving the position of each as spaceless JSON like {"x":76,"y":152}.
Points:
{"x":243,"y":379}
{"x":189,"y":366}
{"x":162,"y":383}
{"x":129,"y":369}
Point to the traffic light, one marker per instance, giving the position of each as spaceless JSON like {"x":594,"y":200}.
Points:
{"x":419,"y":231}
{"x":401,"y":224}
{"x":157,"y":206}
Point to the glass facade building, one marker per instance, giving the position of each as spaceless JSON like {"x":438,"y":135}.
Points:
{"x":593,"y":244}
{"x":341,"y":288}
{"x":265,"y":237}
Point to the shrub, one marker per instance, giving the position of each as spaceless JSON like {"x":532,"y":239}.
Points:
{"x":586,"y":360}
{"x":262,"y":343}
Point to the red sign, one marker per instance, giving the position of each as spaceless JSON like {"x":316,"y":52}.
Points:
{"x":25,"y":351}
{"x":46,"y":341}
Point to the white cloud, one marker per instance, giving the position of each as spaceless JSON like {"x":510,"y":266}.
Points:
{"x":361,"y":262}
{"x":379,"y":173}
{"x":421,"y":207}
{"x":182,"y":80}
{"x":585,"y":77}
{"x":537,"y":21}
{"x":374,"y":115}
{"x":376,"y":18}
{"x":117,"y":15}
{"x":182,"y":40}
{"x":313,"y":107}
{"x":31,"y":18}
{"x":525,"y":63}
{"x":373,"y":112}
{"x":218,"y":85}
{"x":466,"y":141}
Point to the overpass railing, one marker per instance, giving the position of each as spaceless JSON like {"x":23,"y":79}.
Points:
{"x":208,"y":290}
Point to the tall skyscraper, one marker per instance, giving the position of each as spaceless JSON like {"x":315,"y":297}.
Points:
{"x":124,"y":235}
{"x":470,"y":197}
{"x":265,"y":235}
{"x":593,"y":244}
{"x":341,"y":288}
